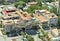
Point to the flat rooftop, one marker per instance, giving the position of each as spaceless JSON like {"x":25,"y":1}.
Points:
{"x":41,"y":18}
{"x":47,"y":13}
{"x":25,"y":15}
{"x":7,"y":22}
{"x":10,"y":16}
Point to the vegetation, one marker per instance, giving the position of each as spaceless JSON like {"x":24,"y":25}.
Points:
{"x":1,"y":1}
{"x":0,"y":25}
{"x":32,"y":8}
{"x":39,"y":2}
{"x":35,"y":27}
{"x":50,"y":1}
{"x":23,"y":34}
{"x":44,"y":36}
{"x":20,"y":4}
{"x":3,"y":32}
{"x":54,"y":10}
{"x":6,"y":3}
{"x":58,"y":24}
{"x":44,"y":7}
{"x":29,"y":38}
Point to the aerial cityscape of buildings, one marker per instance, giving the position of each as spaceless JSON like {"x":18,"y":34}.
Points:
{"x":31,"y":20}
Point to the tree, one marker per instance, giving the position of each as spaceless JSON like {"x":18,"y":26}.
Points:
{"x":58,"y":24}
{"x":20,"y":4}
{"x":59,"y":8}
{"x":22,"y":33}
{"x":39,"y":2}
{"x":32,"y":8}
{"x":44,"y":36}
{"x":50,"y":1}
{"x":2,"y":1}
{"x":35,"y":26}
{"x":29,"y":38}
{"x":54,"y":10}
{"x":17,"y":0}
{"x":44,"y":7}
{"x":6,"y":3}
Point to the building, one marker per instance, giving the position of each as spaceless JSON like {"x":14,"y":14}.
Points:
{"x":55,"y":32}
{"x":43,"y":21}
{"x":10,"y":16}
{"x":8,"y":9}
{"x":25,"y":15}
{"x":32,"y":3}
{"x":19,"y":23}
{"x":8,"y":25}
{"x":51,"y":17}
{"x":27,"y":19}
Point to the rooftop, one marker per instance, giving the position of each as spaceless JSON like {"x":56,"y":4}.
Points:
{"x":41,"y":18}
{"x":55,"y":31}
{"x":31,"y":3}
{"x":7,"y":22}
{"x":25,"y":15}
{"x":10,"y":16}
{"x":46,"y":13}
{"x":50,"y":15}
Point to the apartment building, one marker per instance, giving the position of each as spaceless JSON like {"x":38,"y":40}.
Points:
{"x":10,"y":16}
{"x":8,"y":25}
{"x":25,"y":15}
{"x":51,"y":17}
{"x":19,"y":23}
{"x":43,"y":21}
{"x":27,"y":19}
{"x":8,"y":10}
